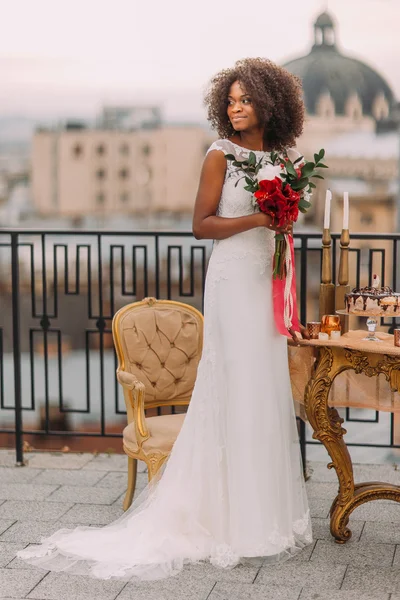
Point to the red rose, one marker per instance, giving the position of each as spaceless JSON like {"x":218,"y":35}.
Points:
{"x":269,"y":197}
{"x":280,"y":204}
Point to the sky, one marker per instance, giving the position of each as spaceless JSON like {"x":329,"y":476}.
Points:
{"x":69,"y":57}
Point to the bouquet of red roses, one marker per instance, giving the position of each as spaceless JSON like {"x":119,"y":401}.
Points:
{"x":281,"y":188}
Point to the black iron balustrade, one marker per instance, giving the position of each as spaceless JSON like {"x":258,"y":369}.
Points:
{"x":59,"y":286}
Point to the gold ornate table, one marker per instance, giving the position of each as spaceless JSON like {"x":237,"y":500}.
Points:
{"x":332,"y":358}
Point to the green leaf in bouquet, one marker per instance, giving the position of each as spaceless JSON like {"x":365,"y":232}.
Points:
{"x":248,"y":188}
{"x":322,"y":166}
{"x":321,"y":153}
{"x":248,"y":180}
{"x":312,"y":185}
{"x":307,"y":169}
{"x":303,"y":183}
{"x":230,"y":157}
{"x":252,"y":159}
{"x":302,"y":210}
{"x":318,"y":177}
{"x":299,"y":184}
{"x":304,"y":204}
{"x":290,"y":168}
{"x":298,"y":160}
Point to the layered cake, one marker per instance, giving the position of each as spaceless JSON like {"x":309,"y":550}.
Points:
{"x":373,"y":300}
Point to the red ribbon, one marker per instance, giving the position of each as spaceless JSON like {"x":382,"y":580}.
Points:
{"x":278,"y":289}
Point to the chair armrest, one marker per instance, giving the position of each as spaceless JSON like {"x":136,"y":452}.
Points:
{"x":134,"y":394}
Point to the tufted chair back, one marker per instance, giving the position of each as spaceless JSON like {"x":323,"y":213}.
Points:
{"x":160,"y":343}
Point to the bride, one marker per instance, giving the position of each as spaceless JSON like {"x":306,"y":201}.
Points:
{"x":233,"y":486}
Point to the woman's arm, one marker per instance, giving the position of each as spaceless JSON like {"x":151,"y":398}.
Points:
{"x":206,"y":225}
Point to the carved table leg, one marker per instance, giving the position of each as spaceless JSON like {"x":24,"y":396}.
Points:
{"x":326,"y":424}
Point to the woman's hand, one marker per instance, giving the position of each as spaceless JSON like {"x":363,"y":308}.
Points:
{"x":268,"y":222}
{"x":295,"y":337}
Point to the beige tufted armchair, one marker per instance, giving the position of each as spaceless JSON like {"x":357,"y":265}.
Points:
{"x":158,"y":344}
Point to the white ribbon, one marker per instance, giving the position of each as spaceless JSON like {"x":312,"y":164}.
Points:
{"x":287,"y":295}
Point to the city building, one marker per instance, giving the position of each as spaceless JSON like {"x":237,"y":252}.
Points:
{"x":104,"y":171}
{"x":350,"y":109}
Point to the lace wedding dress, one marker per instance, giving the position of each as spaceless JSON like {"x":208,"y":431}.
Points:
{"x":233,"y":486}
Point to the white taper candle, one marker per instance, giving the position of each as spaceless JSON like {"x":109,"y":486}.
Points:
{"x":345,"y":210}
{"x":327,"y":216}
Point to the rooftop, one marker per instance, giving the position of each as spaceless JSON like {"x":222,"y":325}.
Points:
{"x":64,"y":490}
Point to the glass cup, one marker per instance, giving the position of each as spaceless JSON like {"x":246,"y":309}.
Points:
{"x":313,"y":329}
{"x":330,"y":323}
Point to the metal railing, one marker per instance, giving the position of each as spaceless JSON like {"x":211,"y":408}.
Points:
{"x":60,"y":290}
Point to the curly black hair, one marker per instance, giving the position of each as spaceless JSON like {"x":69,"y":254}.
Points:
{"x":276,"y":95}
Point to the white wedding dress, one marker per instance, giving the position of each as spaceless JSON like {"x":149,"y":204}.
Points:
{"x":233,"y":486}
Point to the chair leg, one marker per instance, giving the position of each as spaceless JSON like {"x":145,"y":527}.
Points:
{"x":132,"y":471}
{"x":154,"y":464}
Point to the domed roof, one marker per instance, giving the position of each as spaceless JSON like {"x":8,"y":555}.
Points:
{"x":326,"y":70}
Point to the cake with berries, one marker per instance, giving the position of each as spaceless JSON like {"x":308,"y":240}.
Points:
{"x":373,"y":300}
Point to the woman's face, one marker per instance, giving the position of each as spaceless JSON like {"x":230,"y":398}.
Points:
{"x":240,"y":108}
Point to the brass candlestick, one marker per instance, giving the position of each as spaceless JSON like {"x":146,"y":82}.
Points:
{"x":343,"y":278}
{"x":327,"y":288}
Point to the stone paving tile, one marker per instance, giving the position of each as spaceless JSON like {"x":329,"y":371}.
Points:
{"x":91,"y":515}
{"x":25,"y":491}
{"x":312,"y":575}
{"x":396,"y":560}
{"x":8,"y":551}
{"x":320,"y":507}
{"x":362,"y":554}
{"x":386,"y":473}
{"x":68,"y":477}
{"x":317,"y":489}
{"x":248,"y":591}
{"x":321,"y":529}
{"x":381,"y":532}
{"x":34,"y":511}
{"x":83,"y":495}
{"x":173,"y":588}
{"x":32,"y":532}
{"x":5,"y":524}
{"x":304,"y":555}
{"x":319,"y":472}
{"x":113,"y":480}
{"x":8,"y":458}
{"x":378,"y":510}
{"x":18,"y":583}
{"x":240,"y":574}
{"x":372,"y":580}
{"x":57,"y":460}
{"x":342,"y":595}
{"x":108,"y":462}
{"x":17,"y":474}
{"x":61,"y":586}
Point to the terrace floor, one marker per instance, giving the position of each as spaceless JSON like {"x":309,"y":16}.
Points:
{"x":57,"y":490}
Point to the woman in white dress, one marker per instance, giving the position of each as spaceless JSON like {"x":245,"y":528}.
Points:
{"x":233,"y":486}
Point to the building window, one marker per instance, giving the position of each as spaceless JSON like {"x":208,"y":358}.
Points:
{"x":100,"y":198}
{"x":366,"y":219}
{"x":146,"y":150}
{"x":124,"y":173}
{"x":101,"y":150}
{"x":101,"y":174}
{"x":124,"y":197}
{"x":124,"y":150}
{"x":77,"y":150}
